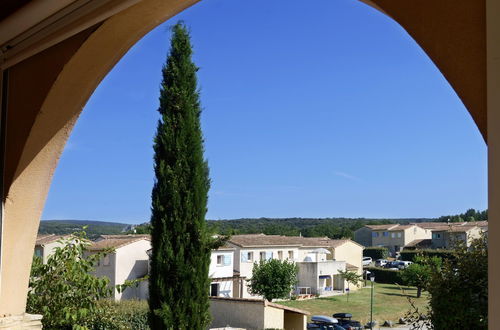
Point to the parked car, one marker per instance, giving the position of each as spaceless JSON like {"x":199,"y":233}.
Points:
{"x":404,"y":264}
{"x":366,"y":261}
{"x":393,"y":265}
{"x":345,"y":320}
{"x":322,"y":322}
{"x":381,"y":262}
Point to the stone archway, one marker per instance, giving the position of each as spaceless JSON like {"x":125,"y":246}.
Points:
{"x":62,"y":78}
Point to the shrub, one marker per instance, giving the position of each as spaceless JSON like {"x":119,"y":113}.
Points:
{"x":386,"y":276}
{"x":273,"y":278}
{"x":128,"y":314}
{"x":410,"y":255}
{"x":376,"y":252}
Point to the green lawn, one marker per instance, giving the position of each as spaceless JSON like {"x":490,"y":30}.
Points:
{"x":389,"y":303}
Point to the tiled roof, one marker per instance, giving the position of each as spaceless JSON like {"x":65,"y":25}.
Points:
{"x":48,"y":238}
{"x":401,"y":227}
{"x":125,"y":236}
{"x":116,"y":241}
{"x":455,"y":228}
{"x":252,"y":240}
{"x":382,"y":227}
{"x":262,"y":302}
{"x":350,"y":266}
{"x":422,"y":243}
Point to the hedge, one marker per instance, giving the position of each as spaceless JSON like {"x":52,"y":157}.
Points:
{"x":385,"y":276}
{"x":409,"y":255}
{"x":376,"y":252}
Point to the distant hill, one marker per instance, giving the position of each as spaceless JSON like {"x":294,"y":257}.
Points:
{"x":94,"y":228}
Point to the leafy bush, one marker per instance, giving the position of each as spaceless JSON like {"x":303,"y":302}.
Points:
{"x":419,"y":273}
{"x":386,"y":276}
{"x":122,"y":315}
{"x":459,"y":292}
{"x":63,"y":290}
{"x":411,"y":255}
{"x":273,"y":279}
{"x":376,"y":252}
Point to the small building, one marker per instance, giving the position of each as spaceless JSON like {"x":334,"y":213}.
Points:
{"x":446,"y":236}
{"x":392,"y":236}
{"x":255,"y":314}
{"x":46,"y":243}
{"x":129,"y":261}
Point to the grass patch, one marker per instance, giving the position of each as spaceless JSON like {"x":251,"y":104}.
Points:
{"x":390,"y":302}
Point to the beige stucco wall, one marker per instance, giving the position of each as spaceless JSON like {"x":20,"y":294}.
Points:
{"x":397,"y":239}
{"x":295,"y":321}
{"x":131,"y":263}
{"x":363,"y":236}
{"x":48,"y":249}
{"x":274,"y":318}
{"x":493,"y":106}
{"x":351,"y":253}
{"x":238,"y":314}
{"x":108,"y":271}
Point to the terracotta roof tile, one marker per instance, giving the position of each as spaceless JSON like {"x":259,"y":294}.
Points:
{"x":382,"y":227}
{"x":116,"y":241}
{"x":278,"y":240}
{"x":48,"y":238}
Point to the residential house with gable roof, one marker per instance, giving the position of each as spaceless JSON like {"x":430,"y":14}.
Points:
{"x":392,"y":236}
{"x":129,"y":261}
{"x":444,"y":237}
{"x":46,"y":244}
{"x":319,"y":259}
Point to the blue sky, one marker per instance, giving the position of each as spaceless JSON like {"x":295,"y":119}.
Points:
{"x":319,"y":109}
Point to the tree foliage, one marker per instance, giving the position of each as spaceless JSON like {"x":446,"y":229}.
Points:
{"x":179,"y":282}
{"x":273,"y":278}
{"x":64,"y":290}
{"x":351,"y":278}
{"x":459,"y":292}
{"x":419,"y":273}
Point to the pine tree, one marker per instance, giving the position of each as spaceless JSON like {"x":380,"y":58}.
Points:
{"x":179,"y":283}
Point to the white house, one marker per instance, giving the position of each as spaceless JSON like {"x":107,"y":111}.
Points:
{"x":221,"y":272}
{"x":319,"y":259}
{"x":45,"y":245}
{"x":129,"y":261}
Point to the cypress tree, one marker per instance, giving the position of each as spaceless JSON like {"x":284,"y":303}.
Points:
{"x":179,"y":283}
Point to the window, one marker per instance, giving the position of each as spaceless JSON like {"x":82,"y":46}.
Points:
{"x":375,"y":234}
{"x":105,"y":261}
{"x":436,"y":235}
{"x":386,"y":233}
{"x":393,"y":235}
{"x":290,"y":255}
{"x":250,"y":256}
{"x":38,"y":253}
{"x":214,"y":289}
{"x":280,"y":255}
{"x":220,"y":260}
{"x":262,"y":256}
{"x":399,"y":235}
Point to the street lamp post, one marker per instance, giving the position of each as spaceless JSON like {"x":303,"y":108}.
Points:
{"x":372,"y":279}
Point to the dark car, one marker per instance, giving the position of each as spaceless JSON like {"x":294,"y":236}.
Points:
{"x":345,"y":320}
{"x":321,"y":322}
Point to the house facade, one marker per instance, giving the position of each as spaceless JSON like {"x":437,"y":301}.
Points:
{"x":45,"y":245}
{"x":447,"y":236}
{"x":221,"y":272}
{"x":129,"y":261}
{"x":319,"y":259}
